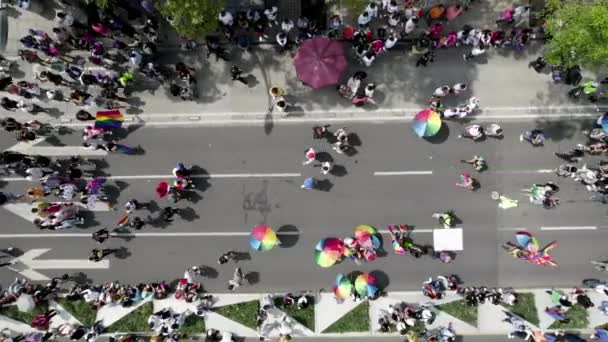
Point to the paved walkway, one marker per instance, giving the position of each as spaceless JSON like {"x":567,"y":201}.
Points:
{"x":402,"y":89}
{"x":327,"y":311}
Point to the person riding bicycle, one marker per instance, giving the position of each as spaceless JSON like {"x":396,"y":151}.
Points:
{"x":478,"y":162}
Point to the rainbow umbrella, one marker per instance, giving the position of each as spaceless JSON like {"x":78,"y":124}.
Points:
{"x":397,"y":248}
{"x":366,"y":285}
{"x":263,"y":238}
{"x":602,"y":334}
{"x":343,"y":287}
{"x":427,"y":123}
{"x":328,"y":252}
{"x":603,"y":121}
{"x":367,"y":236}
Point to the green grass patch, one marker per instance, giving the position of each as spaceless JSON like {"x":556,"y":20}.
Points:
{"x":357,"y":320}
{"x":193,"y":325}
{"x":25,"y":317}
{"x":460,"y":310}
{"x":136,"y":321}
{"x":578,"y":319}
{"x":524,"y":308}
{"x":244,"y":313}
{"x":81,"y":310}
{"x":305,"y":316}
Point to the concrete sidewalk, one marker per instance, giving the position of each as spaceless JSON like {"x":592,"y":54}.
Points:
{"x":489,"y":321}
{"x":402,"y":89}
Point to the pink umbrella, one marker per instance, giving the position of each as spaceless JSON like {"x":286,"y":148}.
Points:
{"x":320,"y":62}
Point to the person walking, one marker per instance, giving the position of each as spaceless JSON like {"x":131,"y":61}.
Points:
{"x":235,"y":74}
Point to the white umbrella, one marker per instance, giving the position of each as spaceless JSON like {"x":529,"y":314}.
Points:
{"x":25,"y":303}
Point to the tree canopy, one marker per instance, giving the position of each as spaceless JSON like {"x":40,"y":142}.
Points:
{"x":192,"y":18}
{"x":578,"y":33}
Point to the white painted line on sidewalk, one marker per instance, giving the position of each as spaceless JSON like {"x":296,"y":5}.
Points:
{"x":209,"y":176}
{"x":570,"y":228}
{"x":401,"y":173}
{"x":152,"y":234}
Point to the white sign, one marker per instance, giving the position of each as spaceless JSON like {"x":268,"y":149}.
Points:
{"x":27,"y":264}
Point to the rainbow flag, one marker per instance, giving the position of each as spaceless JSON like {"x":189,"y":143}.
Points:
{"x":123,"y":221}
{"x":110,"y":119}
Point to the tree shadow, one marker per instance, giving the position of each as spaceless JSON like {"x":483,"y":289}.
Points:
{"x":54,"y":141}
{"x":123,"y":132}
{"x":268,"y":123}
{"x":112,"y":192}
{"x":288,"y":235}
{"x":558,"y":130}
{"x":89,"y":219}
{"x":209,"y":272}
{"x":242,"y":256}
{"x":324,"y":157}
{"x":354,"y":139}
{"x":152,"y":206}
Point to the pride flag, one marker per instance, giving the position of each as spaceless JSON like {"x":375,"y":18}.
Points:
{"x":108,"y":120}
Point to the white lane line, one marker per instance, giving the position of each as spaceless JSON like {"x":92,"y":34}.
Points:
{"x":522,"y":171}
{"x":161,"y":235}
{"x":401,"y":173}
{"x":413,"y":231}
{"x":570,"y":228}
{"x":210,"y":176}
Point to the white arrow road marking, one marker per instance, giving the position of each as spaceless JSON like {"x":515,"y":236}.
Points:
{"x":27,"y":264}
{"x":53,"y":151}
{"x":24,"y":210}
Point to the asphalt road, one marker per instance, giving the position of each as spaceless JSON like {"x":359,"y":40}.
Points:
{"x":255,"y":178}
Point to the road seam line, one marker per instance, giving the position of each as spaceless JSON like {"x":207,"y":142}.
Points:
{"x":570,"y":228}
{"x":401,"y":173}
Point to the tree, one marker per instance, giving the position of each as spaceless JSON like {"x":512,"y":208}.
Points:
{"x":578,"y":33}
{"x":104,"y":4}
{"x":192,"y":18}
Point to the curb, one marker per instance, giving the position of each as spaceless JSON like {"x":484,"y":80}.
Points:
{"x":297,"y":117}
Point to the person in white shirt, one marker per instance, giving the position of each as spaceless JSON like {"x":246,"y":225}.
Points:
{"x":410,"y":25}
{"x":390,"y":41}
{"x":89,"y":295}
{"x":363,"y":19}
{"x":372,"y":10}
{"x":65,"y":19}
{"x":282,"y":41}
{"x":271,"y":15}
{"x":286,"y":25}
{"x":394,"y":20}
{"x":392,"y":7}
{"x":226,"y":18}
{"x":368,"y":59}
{"x":369,"y":90}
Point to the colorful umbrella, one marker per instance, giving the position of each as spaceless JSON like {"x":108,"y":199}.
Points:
{"x":366,"y":285}
{"x":320,"y":62}
{"x":523,"y":238}
{"x":263,"y":238}
{"x":602,"y":334}
{"x":397,"y":248}
{"x":328,"y":252}
{"x":343,"y":287}
{"x":603,"y":121}
{"x":556,"y":313}
{"x":162,"y":189}
{"x":427,"y":123}
{"x":94,"y":185}
{"x":367,"y":236}
{"x":123,"y":221}
{"x":309,"y":183}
